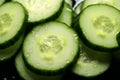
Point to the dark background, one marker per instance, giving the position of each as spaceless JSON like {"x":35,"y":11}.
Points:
{"x":8,"y":72}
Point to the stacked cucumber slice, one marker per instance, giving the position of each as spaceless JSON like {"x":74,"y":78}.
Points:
{"x":26,"y":74}
{"x":98,"y":25}
{"x":50,"y":37}
{"x":91,"y":63}
{"x":12,"y":27}
{"x":49,"y":44}
{"x":52,"y":32}
{"x":47,"y":49}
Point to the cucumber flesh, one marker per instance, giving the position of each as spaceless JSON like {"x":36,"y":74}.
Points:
{"x":100,"y":26}
{"x":114,"y":3}
{"x":91,"y":63}
{"x":21,"y":68}
{"x":26,"y":74}
{"x":12,"y":19}
{"x":66,"y":15}
{"x":41,"y":10}
{"x":47,"y":48}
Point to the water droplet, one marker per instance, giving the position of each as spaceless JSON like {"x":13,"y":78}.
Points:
{"x":28,"y":55}
{"x":76,"y":36}
{"x":67,"y":61}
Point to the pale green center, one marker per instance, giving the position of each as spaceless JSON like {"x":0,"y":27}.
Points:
{"x":51,"y":44}
{"x":5,"y":22}
{"x":104,"y":25}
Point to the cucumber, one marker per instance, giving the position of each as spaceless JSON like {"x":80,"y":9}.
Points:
{"x":8,"y":53}
{"x":91,"y":63}
{"x":13,"y":18}
{"x":114,"y":3}
{"x":42,"y":10}
{"x":26,"y":74}
{"x":99,"y":28}
{"x":66,"y":15}
{"x":50,"y":48}
{"x":2,"y":1}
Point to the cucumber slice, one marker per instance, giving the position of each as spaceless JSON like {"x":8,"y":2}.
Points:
{"x":42,"y":10}
{"x":27,"y":74}
{"x":114,"y":3}
{"x":99,"y":28}
{"x":91,"y":63}
{"x":12,"y":20}
{"x":66,"y":15}
{"x":50,"y":48}
{"x":7,"y":53}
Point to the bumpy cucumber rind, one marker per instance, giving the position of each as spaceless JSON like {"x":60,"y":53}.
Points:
{"x":19,"y":33}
